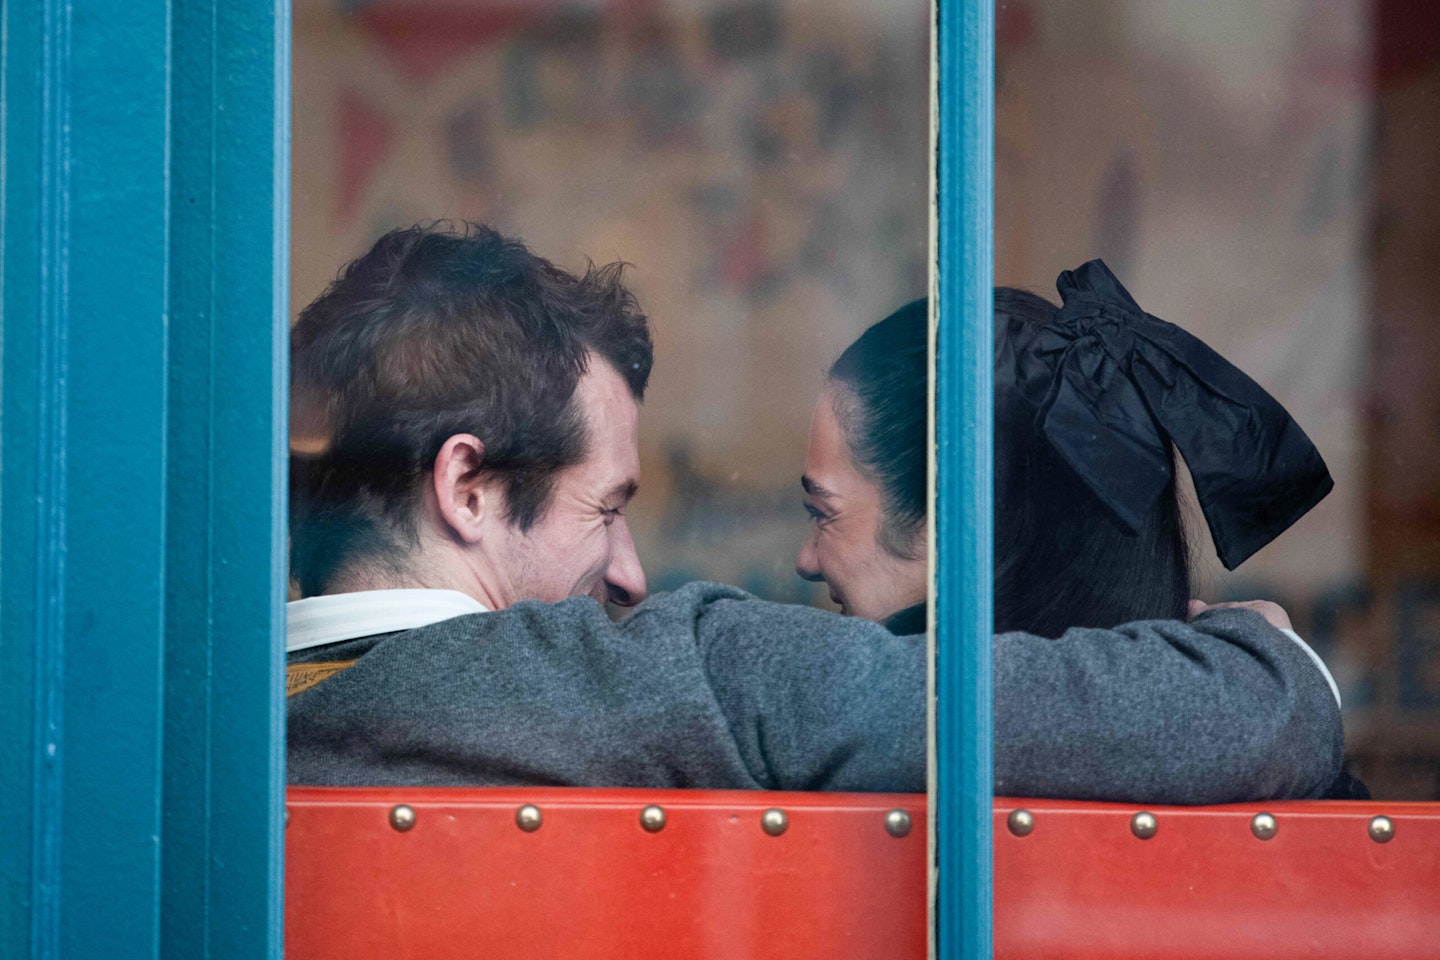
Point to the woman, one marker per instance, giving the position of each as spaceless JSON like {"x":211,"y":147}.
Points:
{"x":865,"y":476}
{"x":1089,"y":398}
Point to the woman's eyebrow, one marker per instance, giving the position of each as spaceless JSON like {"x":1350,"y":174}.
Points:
{"x":815,"y":489}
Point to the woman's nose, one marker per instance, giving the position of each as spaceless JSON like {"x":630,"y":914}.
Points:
{"x":807,"y":565}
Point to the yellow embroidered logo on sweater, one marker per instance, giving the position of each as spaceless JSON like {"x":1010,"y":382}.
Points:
{"x":300,"y":677}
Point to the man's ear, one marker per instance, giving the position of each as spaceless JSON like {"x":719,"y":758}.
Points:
{"x":459,"y":483}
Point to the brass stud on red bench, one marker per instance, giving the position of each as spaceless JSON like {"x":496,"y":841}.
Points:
{"x":1264,"y":827}
{"x":652,"y":818}
{"x":1382,"y":830}
{"x":774,"y":821}
{"x":897,"y":823}
{"x":1144,"y":825}
{"x":529,"y":818}
{"x":402,"y":817}
{"x":1020,"y":822}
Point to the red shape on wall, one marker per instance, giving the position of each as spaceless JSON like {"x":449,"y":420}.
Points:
{"x":743,"y":260}
{"x":365,"y":137}
{"x":424,"y":37}
{"x":1016,"y":25}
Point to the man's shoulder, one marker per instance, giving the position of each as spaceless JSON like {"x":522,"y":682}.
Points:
{"x":528,"y":653}
{"x":672,"y":614}
{"x":713,"y":612}
{"x":680,"y":631}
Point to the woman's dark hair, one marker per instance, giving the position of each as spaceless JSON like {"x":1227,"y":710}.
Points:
{"x":436,"y":332}
{"x":883,"y":413}
{"x":1061,"y":558}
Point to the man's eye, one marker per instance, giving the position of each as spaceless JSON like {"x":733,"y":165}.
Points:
{"x":815,"y":515}
{"x":610,"y":514}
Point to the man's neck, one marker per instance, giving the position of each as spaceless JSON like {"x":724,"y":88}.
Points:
{"x":363,"y":578}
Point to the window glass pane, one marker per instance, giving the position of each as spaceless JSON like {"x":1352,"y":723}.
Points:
{"x":761,"y":163}
{"x":1264,"y":176}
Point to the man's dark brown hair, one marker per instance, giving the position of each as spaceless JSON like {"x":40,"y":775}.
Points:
{"x":438,"y":331}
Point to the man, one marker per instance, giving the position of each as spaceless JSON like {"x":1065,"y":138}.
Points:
{"x":476,"y":411}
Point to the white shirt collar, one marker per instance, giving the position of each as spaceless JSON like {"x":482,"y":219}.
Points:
{"x":316,"y":621}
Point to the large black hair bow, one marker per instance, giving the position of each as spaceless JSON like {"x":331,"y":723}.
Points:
{"x":1112,"y":386}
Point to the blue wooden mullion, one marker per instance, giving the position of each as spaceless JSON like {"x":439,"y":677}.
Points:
{"x":965,"y":48}
{"x":244,"y":445}
{"x":143,"y":249}
{"x":224,"y":788}
{"x":28,"y":217}
{"x":190,"y":637}
{"x":113,"y":324}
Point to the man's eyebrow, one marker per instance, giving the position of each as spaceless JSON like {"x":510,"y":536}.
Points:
{"x":815,"y":489}
{"x":622,"y":492}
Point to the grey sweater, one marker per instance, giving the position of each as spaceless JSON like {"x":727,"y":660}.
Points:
{"x":709,"y":687}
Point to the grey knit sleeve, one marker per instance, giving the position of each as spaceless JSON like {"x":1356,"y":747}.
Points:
{"x":1223,"y":709}
{"x":816,"y":701}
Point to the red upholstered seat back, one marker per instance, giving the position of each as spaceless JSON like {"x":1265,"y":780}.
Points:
{"x":1083,"y":885}
{"x":592,"y":883}
{"x":465,"y":880}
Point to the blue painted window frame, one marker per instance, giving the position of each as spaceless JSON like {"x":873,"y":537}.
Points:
{"x":144,"y":213}
{"x":962,"y":519}
{"x":144,"y":222}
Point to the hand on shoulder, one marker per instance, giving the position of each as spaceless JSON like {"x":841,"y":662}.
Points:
{"x":1273,"y":613}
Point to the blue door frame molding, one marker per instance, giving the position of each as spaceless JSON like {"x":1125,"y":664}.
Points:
{"x":963,"y":516}
{"x":143,"y":242}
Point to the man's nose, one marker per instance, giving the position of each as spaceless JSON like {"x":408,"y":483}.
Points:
{"x":807,"y":565}
{"x":624,"y":578}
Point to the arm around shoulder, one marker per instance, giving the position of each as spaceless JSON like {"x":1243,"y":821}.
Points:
{"x":1223,"y":709}
{"x":817,"y":701}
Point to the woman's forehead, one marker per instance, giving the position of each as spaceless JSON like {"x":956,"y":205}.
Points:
{"x":830,"y":471}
